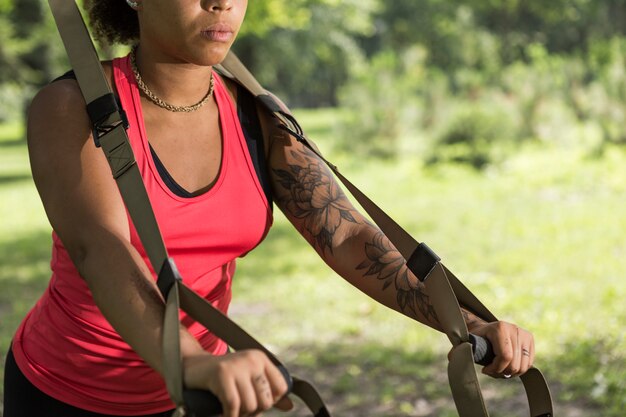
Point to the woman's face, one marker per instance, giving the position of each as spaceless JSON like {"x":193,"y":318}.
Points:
{"x":195,"y":31}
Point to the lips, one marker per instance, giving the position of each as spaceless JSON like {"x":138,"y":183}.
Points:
{"x":219,"y":32}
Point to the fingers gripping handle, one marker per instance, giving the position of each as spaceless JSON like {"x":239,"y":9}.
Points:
{"x":422,"y":262}
{"x":444,"y":301}
{"x":200,"y":403}
{"x":483,"y":351}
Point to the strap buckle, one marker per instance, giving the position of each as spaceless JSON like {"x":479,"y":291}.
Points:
{"x":99,"y":111}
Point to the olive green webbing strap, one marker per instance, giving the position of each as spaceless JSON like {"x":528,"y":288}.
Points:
{"x":93,"y":85}
{"x":444,"y":289}
{"x":110,"y":134}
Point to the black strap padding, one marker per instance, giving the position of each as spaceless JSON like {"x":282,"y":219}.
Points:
{"x":168,"y":275}
{"x":269,"y":102}
{"x":422,"y":261}
{"x":100,"y":109}
{"x":251,"y":126}
{"x":201,"y":403}
{"x":70,"y":75}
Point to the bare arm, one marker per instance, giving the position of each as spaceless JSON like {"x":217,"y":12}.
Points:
{"x":357,"y":250}
{"x":85,"y":208}
{"x":311,"y":199}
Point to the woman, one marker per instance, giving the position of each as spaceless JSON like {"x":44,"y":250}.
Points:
{"x":91,"y":345}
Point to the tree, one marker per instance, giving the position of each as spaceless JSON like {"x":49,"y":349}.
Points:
{"x":28,"y":56}
{"x":304,"y":52}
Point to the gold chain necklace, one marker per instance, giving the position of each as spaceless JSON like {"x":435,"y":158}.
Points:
{"x":158,"y":101}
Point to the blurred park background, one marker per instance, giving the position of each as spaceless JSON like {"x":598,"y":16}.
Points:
{"x":491,"y":129}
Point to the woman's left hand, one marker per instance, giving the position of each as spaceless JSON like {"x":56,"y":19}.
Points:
{"x":514,"y":348}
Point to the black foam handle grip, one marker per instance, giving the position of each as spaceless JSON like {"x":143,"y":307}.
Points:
{"x":483,"y":351}
{"x":201,"y":403}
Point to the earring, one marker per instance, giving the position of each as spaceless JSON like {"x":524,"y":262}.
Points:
{"x":132,"y":4}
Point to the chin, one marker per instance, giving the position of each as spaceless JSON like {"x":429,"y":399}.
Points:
{"x":213,"y":56}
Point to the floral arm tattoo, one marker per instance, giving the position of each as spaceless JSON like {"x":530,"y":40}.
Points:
{"x":471,"y":320}
{"x":314,"y":197}
{"x":386,"y":264}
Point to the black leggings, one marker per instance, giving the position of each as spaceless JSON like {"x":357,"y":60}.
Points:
{"x":23,"y":399}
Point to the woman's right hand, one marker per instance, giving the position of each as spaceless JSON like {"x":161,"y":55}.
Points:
{"x":246,"y":382}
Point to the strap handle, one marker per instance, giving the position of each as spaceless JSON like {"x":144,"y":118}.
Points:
{"x":445,"y":290}
{"x":202,"y":403}
{"x":109,"y":127}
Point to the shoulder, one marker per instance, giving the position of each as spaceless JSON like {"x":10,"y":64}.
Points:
{"x":58,"y":110}
{"x":58,"y":107}
{"x":61,"y":102}
{"x":71,"y":174}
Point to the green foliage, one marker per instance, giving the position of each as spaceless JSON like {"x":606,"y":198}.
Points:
{"x":5,"y":6}
{"x":28,"y":57}
{"x":595,"y":368}
{"x":479,"y":116}
{"x":309,"y":57}
{"x":381,"y":103}
{"x":447,"y":30}
{"x":605,"y":102}
{"x":563,"y":26}
{"x":474,"y":136}
{"x":554,"y":72}
{"x":263,"y":16}
{"x":14,"y":99}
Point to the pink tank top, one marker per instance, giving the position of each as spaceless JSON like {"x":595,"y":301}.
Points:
{"x":68,"y":350}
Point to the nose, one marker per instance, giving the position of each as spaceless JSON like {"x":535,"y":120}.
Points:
{"x":217,"y":5}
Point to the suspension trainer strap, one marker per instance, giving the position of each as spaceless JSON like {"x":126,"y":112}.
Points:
{"x":109,"y":132}
{"x":445,"y":289}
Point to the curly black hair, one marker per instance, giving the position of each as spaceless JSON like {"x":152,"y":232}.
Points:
{"x":112,"y":21}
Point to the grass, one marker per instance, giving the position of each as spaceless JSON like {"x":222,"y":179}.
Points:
{"x":540,"y":239}
{"x":24,"y":234}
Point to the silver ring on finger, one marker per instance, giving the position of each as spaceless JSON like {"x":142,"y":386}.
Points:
{"x":525,"y":352}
